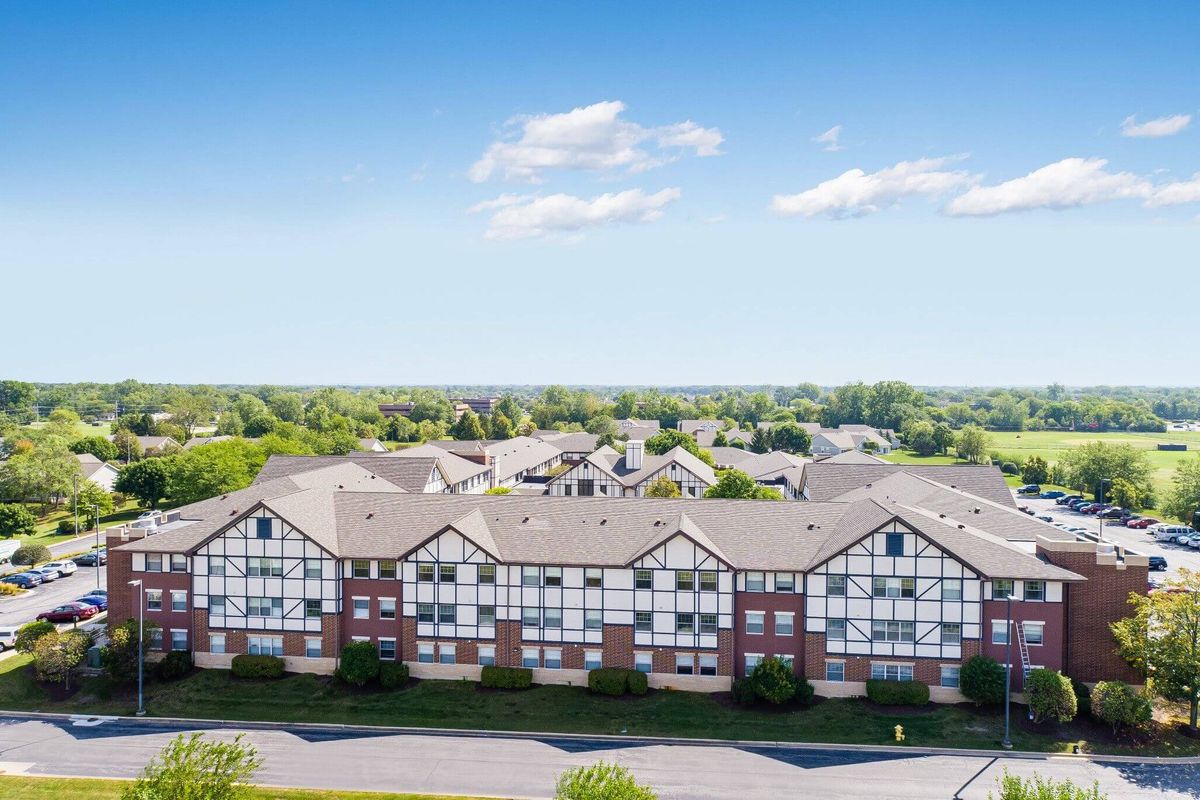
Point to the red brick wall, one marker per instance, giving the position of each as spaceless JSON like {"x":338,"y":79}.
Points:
{"x":373,"y":627}
{"x":858,"y":668}
{"x":1048,"y":655}
{"x":768,"y":643}
{"x":123,"y":599}
{"x":293,"y":641}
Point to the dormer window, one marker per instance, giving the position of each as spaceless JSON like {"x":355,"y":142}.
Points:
{"x":262,"y":528}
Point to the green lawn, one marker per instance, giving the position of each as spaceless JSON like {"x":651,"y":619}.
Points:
{"x":13,"y":787}
{"x":560,"y":709}
{"x":47,"y":525}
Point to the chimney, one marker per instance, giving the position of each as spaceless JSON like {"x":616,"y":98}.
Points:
{"x":633,"y":454}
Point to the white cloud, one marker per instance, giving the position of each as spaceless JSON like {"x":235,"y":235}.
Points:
{"x":357,"y":175}
{"x":856,"y":193}
{"x":1154,"y":128}
{"x":589,"y":138}
{"x":1064,"y":184}
{"x":525,"y":216}
{"x":830,"y":139}
{"x":1176,"y":193}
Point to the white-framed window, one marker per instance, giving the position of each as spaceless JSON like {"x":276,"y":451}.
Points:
{"x":264,"y":645}
{"x":891,"y":672}
{"x":154,"y":562}
{"x":951,"y":633}
{"x":387,"y":608}
{"x":312,"y":609}
{"x":530,"y":576}
{"x":752,"y":661}
{"x":755,"y":622}
{"x":487,"y":573}
{"x":756,"y":582}
{"x":362,"y":608}
{"x":487,"y":615}
{"x":487,"y":655}
{"x":312,"y":647}
{"x":708,"y":623}
{"x":685,"y":580}
{"x":216,"y":643}
{"x":154,"y":599}
{"x":178,"y":563}
{"x":835,"y":630}
{"x":552,"y":618}
{"x":424,"y":573}
{"x":446,"y":653}
{"x":1035,"y":590}
{"x":178,"y":600}
{"x":784,"y":623}
{"x":178,"y":639}
{"x":685,"y":664}
{"x":216,"y":565}
{"x":264,"y":607}
{"x":387,"y":570}
{"x":891,"y":631}
{"x":593,"y":659}
{"x":893,"y":587}
{"x":447,"y":613}
{"x":552,"y":658}
{"x":708,"y":581}
{"x":835,"y":586}
{"x":952,"y":589}
{"x":643,"y":662}
{"x":360,"y":568}
{"x":264,"y":567}
{"x":156,"y":638}
{"x":448,"y":573}
{"x":835,"y":671}
{"x":312,"y":568}
{"x":593,"y":619}
{"x":425,"y":652}
{"x":708,"y":664}
{"x":531,"y":617}
{"x":216,"y":605}
{"x":643,"y":579}
{"x":785,"y":582}
{"x":1034,"y":632}
{"x":1001,"y":588}
{"x":999,"y":631}
{"x":643,"y":620}
{"x":685,"y":622}
{"x":554,"y":576}
{"x":530,"y":658}
{"x":424,"y":612}
{"x":593,"y":578}
{"x":949,"y":676}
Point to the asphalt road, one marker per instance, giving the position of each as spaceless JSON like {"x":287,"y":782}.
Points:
{"x":332,"y":758}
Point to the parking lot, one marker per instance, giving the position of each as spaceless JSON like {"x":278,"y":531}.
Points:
{"x":22,"y":608}
{"x":1138,"y":540}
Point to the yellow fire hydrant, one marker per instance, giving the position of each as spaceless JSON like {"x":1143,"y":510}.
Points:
{"x":899,"y":733}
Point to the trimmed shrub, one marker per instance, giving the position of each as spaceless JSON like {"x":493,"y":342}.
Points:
{"x":67,"y":525}
{"x":28,"y":554}
{"x":360,"y":663}
{"x":506,"y":677}
{"x":601,"y":781}
{"x":1083,"y":695}
{"x":393,"y":675}
{"x":174,"y":666}
{"x":1010,"y":468}
{"x":1050,"y":696}
{"x":898,"y":693}
{"x":1118,"y":704}
{"x":981,"y":679}
{"x":245,"y":666}
{"x":804,"y":690}
{"x":636,"y":682}
{"x":29,"y":633}
{"x":607,"y":680}
{"x":773,"y":681}
{"x":743,"y":692}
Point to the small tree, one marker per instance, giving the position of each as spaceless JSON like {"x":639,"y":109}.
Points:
{"x":119,"y":657}
{"x":1035,"y":470}
{"x":16,"y":520}
{"x":1124,"y":494}
{"x":28,"y":635}
{"x":146,"y":481}
{"x":1051,"y":696}
{"x":98,"y":446}
{"x":601,"y":781}
{"x":662,"y":486}
{"x":1013,"y":787}
{"x":972,"y":444}
{"x":190,"y":768}
{"x":28,"y":554}
{"x":1118,"y":704}
{"x":981,"y":679}
{"x":360,"y":663}
{"x":760,"y":440}
{"x":733,"y":484}
{"x":773,"y":681}
{"x":57,"y":656}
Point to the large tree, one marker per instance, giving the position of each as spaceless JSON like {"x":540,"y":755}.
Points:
{"x":98,"y":446}
{"x":919,"y":435}
{"x":468,"y":427}
{"x":215,"y":469}
{"x":46,"y":472}
{"x":790,"y":437}
{"x":668,"y":439}
{"x":188,"y":410}
{"x":889,"y":401}
{"x":972,"y":443}
{"x":737,"y":485}
{"x":1183,"y":498}
{"x":1089,"y":464}
{"x":146,"y":480}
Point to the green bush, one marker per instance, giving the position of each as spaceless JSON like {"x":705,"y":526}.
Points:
{"x":898,"y":693}
{"x":614,"y":681}
{"x":1050,"y":696}
{"x":1013,"y":787}
{"x":175,"y":665}
{"x":67,"y":525}
{"x":981,"y":679}
{"x":773,"y":681}
{"x":245,"y":666}
{"x":743,"y":692}
{"x":393,"y":675}
{"x":506,"y":678}
{"x":1083,"y":695}
{"x":636,"y":682}
{"x":804,"y":690}
{"x":360,"y":663}
{"x":1118,"y":704}
{"x":601,"y":781}
{"x":28,"y":635}
{"x":16,"y":520}
{"x":1010,"y":468}
{"x":28,"y":554}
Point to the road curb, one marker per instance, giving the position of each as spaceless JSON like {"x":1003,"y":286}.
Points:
{"x":607,"y":737}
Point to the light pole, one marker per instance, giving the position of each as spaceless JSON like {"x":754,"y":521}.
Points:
{"x":141,"y":709}
{"x":96,"y":508}
{"x":1100,"y":513}
{"x":1007,"y":743}
{"x":75,"y":503}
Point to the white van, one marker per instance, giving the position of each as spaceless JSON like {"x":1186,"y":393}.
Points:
{"x":7,"y":549}
{"x":8,"y":638}
{"x":1172,"y":533}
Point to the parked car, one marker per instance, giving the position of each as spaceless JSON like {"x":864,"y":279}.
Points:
{"x":1116,"y":512}
{"x":1141,"y":523}
{"x":1030,"y":488}
{"x":89,"y":559}
{"x":8,"y":637}
{"x":26,"y":580}
{"x":1045,"y":518}
{"x":1075,"y":505}
{"x":1029,"y":511}
{"x":69,"y":612}
{"x":1067,"y":499}
{"x":100,"y":592}
{"x":64,"y":568}
{"x":1158,"y":563}
{"x":97,"y":600}
{"x":1052,"y":495}
{"x":48,"y":573}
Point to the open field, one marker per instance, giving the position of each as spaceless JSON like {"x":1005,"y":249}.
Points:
{"x":84,"y":428}
{"x":28,"y":788}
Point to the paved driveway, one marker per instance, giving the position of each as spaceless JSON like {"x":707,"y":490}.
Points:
{"x":22,"y":608}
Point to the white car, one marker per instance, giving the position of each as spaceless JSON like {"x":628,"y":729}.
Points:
{"x":8,"y":638}
{"x":48,"y":573}
{"x":64,"y":568}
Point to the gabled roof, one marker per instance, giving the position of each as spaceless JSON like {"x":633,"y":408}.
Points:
{"x":730,"y":455}
{"x":839,"y":439}
{"x":454,"y":468}
{"x":767,"y":466}
{"x":828,"y":479}
{"x":521,"y":454}
{"x":682,"y":525}
{"x":410,"y":474}
{"x":693,"y":425}
{"x":572,"y":442}
{"x":854,"y":457}
{"x":614,"y":465}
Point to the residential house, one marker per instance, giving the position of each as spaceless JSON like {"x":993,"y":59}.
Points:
{"x":611,"y":474}
{"x":98,"y":472}
{"x":372,"y":446}
{"x":575,"y":447}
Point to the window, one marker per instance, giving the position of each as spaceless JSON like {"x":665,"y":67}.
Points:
{"x":425,"y":653}
{"x":787,"y":661}
{"x":387,"y":608}
{"x":312,"y":568}
{"x":999,"y":631}
{"x":685,"y":581}
{"x":1035,"y":590}
{"x":216,"y":643}
{"x":312,"y":648}
{"x":265,"y":607}
{"x":755,"y":621}
{"x":446,"y":653}
{"x":447,"y":573}
{"x":530,"y":576}
{"x":178,"y":563}
{"x":950,"y":677}
{"x":685,"y":623}
{"x":424,"y":612}
{"x":530,"y":617}
{"x":264,"y":645}
{"x":895,"y":544}
{"x":952,"y":589}
{"x":593,"y":620}
{"x":362,"y":608}
{"x":708,"y":623}
{"x":587,"y":487}
{"x":785,"y":582}
{"x":784,"y":623}
{"x":156,"y":639}
{"x":264,"y":567}
{"x":592,"y":659}
{"x":643,"y":579}
{"x":643,"y":620}
{"x":487,"y":656}
{"x":154,"y":562}
{"x":216,"y":565}
{"x":951,"y":633}
{"x":216,"y":605}
{"x":708,"y":581}
{"x":487,"y":573}
{"x":387,"y":569}
{"x":179,"y":640}
{"x":1001,"y":588}
{"x":529,"y":658}
{"x":552,"y":658}
{"x":893,"y":587}
{"x":889,"y":631}
{"x":312,"y":609}
{"x":752,"y":661}
{"x":552,"y":618}
{"x":1033,"y":632}
{"x":685,"y":664}
{"x":643,"y":662}
{"x":835,"y":630}
{"x":554,"y":576}
{"x":424,"y":573}
{"x":891,"y":672}
{"x":154,"y":599}
{"x":755,"y":582}
{"x":487,"y":615}
{"x":708,"y":665}
{"x":835,"y":671}
{"x":360,"y":568}
{"x":178,"y":601}
{"x":447,"y":613}
{"x":835,"y":586}
{"x":593,"y":577}
{"x":262,"y":528}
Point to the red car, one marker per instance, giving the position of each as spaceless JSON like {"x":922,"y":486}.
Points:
{"x":1142,"y":523}
{"x":69,"y":612}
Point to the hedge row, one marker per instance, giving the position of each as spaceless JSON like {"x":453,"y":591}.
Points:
{"x":898,"y":693}
{"x":245,"y":666}
{"x":392,"y":674}
{"x":506,"y":678}
{"x":616,"y":682}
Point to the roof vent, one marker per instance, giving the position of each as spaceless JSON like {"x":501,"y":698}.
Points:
{"x":604,"y":521}
{"x":953,"y":486}
{"x":224,"y":496}
{"x":976,"y":509}
{"x":868,"y":486}
{"x":233,"y":513}
{"x":962,"y":527}
{"x":941,"y":516}
{"x":811,"y":526}
{"x":340,"y":486}
{"x":525,"y":520}
{"x":370,"y":514}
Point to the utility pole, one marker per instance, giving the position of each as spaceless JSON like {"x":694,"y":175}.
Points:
{"x":75,"y":503}
{"x":97,"y":508}
{"x":141,"y":709}
{"x":1007,"y":743}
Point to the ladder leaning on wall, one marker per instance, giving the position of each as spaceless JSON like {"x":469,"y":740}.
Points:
{"x":1023,"y":647}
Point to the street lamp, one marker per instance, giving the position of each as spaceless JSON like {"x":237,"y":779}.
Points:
{"x":96,"y":509}
{"x":1103,"y":485}
{"x":141,"y":709}
{"x":75,"y":505}
{"x":1007,"y":743}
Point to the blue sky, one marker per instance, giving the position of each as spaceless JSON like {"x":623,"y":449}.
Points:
{"x":635,"y":193}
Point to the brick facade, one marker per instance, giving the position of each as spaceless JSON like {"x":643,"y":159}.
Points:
{"x":858,"y":668}
{"x":768,"y":642}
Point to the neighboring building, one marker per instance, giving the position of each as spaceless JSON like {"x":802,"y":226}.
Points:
{"x":420,"y":470}
{"x":727,"y":457}
{"x":480,"y":405}
{"x":372,"y":446}
{"x":98,"y":472}
{"x":767,"y":469}
{"x":706,"y":437}
{"x":829,"y":479}
{"x":152,"y":445}
{"x":575,"y":447}
{"x":404,"y":409}
{"x":610,"y":474}
{"x":831,"y":443}
{"x":694,"y":594}
{"x":512,"y":460}
{"x":200,"y":441}
{"x":694,"y":426}
{"x":626,"y":425}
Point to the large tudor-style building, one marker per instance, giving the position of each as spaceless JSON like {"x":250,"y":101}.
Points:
{"x":904,"y":583}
